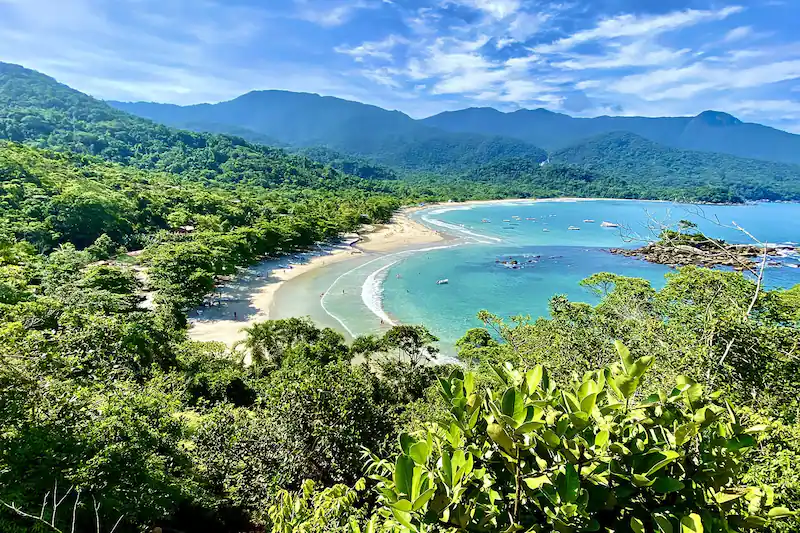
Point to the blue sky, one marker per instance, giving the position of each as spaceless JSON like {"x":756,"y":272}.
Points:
{"x":585,"y":58}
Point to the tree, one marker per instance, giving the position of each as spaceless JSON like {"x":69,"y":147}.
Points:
{"x":414,"y":343}
{"x":594,"y":456}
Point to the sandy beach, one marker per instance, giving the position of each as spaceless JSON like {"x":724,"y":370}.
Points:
{"x":248,"y":297}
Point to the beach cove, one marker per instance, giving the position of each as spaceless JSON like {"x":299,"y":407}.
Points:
{"x":391,"y":276}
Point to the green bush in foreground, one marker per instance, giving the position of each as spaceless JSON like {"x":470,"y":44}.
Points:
{"x":594,"y":457}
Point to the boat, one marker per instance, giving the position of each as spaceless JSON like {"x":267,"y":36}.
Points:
{"x":506,"y":220}
{"x":609,"y":225}
{"x":574,"y":228}
{"x":530,"y":218}
{"x":545,"y":229}
{"x":589,"y":221}
{"x":443,"y":282}
{"x":486,"y":221}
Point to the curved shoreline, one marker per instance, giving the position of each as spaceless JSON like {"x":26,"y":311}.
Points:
{"x":251,"y":296}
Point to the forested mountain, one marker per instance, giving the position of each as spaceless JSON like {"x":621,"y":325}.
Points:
{"x":710,"y":131}
{"x":637,"y":160}
{"x":37,"y":110}
{"x":303,"y":120}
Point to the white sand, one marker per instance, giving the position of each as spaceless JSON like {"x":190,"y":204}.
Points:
{"x":248,"y":298}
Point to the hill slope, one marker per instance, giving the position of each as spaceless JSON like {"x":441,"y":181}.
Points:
{"x":37,"y":110}
{"x":634,"y":158}
{"x":710,"y":131}
{"x":304,"y":120}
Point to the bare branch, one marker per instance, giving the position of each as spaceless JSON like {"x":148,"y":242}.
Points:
{"x":96,"y":513}
{"x":115,"y":525}
{"x":75,"y":510}
{"x":20,"y":512}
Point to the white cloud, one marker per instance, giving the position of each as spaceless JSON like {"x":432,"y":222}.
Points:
{"x":629,"y":25}
{"x":497,"y":9}
{"x":374,"y":49}
{"x":738,"y":33}
{"x":330,"y":13}
{"x":636,"y":54}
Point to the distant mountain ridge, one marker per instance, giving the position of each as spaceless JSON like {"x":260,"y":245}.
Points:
{"x":310,"y":120}
{"x":710,"y":131}
{"x":37,"y":110}
{"x":391,"y":137}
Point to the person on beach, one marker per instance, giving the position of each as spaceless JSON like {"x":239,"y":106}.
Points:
{"x":235,"y":316}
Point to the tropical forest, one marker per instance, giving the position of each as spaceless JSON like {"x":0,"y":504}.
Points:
{"x":670,"y":409}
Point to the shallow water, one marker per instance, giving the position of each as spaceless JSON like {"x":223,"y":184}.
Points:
{"x":552,"y":262}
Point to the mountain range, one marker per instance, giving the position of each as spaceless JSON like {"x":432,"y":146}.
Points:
{"x":276,"y":138}
{"x":393,"y":138}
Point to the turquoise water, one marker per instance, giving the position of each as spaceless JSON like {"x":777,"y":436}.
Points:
{"x":368,"y":293}
{"x":555,"y":261}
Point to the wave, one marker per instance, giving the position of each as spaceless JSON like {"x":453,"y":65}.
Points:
{"x":372,"y":293}
{"x":376,"y":309}
{"x":483,"y":239}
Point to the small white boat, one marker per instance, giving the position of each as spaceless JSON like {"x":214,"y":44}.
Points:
{"x":574,"y":228}
{"x":545,"y":229}
{"x":443,"y":282}
{"x":486,"y":221}
{"x":506,"y":220}
{"x":609,"y":225}
{"x":589,"y":221}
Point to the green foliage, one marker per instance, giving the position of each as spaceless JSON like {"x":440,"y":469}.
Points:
{"x":715,"y":177}
{"x":594,"y":456}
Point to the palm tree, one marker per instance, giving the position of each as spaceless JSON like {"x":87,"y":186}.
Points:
{"x":260,"y":344}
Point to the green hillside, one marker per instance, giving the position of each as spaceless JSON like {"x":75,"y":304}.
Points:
{"x":723,"y":177}
{"x":710,"y":131}
{"x":302,"y":120}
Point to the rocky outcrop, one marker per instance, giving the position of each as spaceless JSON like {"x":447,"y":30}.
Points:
{"x":737,"y":256}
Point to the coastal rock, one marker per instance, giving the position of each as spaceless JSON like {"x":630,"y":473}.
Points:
{"x":736,"y":256}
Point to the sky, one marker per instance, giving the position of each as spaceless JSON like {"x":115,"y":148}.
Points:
{"x":422,"y":57}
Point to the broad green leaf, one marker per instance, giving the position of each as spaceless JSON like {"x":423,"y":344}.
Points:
{"x":760,"y":428}
{"x":665,"y":485}
{"x":422,"y":499}
{"x":402,"y":505}
{"x":405,"y":519}
{"x":536,"y":482}
{"x":469,"y":383}
{"x":532,"y":378}
{"x":624,"y":355}
{"x":587,"y":404}
{"x":447,"y":469}
{"x":513,"y":405}
{"x":780,"y":512}
{"x":500,"y":437}
{"x":403,"y":473}
{"x":642,"y":481}
{"x":662,"y":523}
{"x":637,"y":525}
{"x":685,"y":433}
{"x":691,"y":524}
{"x":642,"y":365}
{"x":626,"y":385}
{"x":726,"y":496}
{"x":551,"y":438}
{"x":569,"y":484}
{"x":419,"y":452}
{"x":666,"y":458}
{"x":601,"y":439}
{"x":406,"y":441}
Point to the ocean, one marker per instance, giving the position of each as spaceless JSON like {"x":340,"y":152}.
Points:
{"x":511,"y":258}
